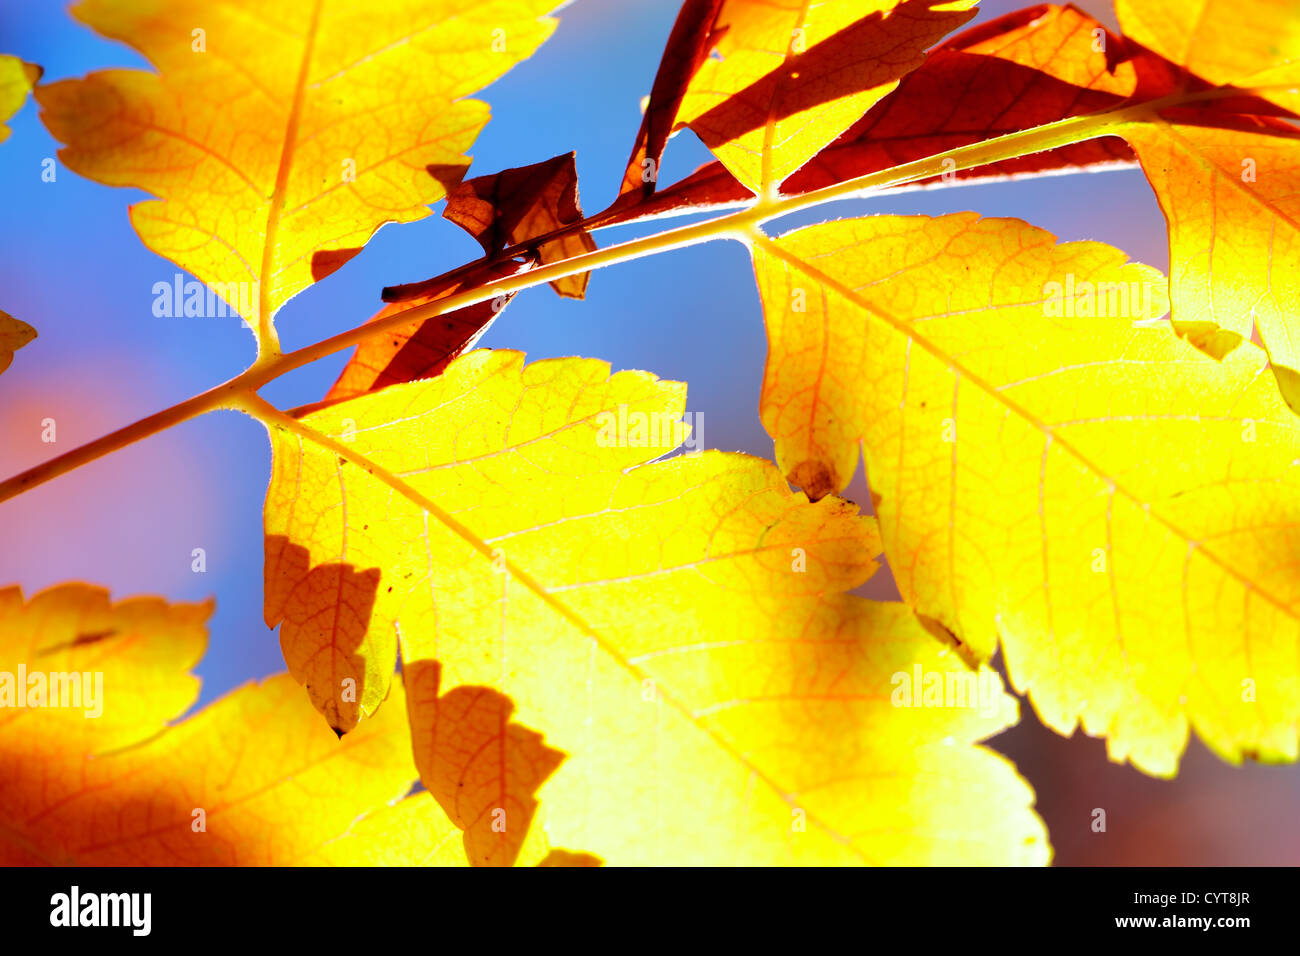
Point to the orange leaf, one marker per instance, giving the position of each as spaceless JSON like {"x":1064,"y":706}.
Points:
{"x":280,"y":136}
{"x":14,"y":334}
{"x":95,"y":775}
{"x":688,"y":45}
{"x":792,"y":76}
{"x":515,"y":206}
{"x":422,"y":349}
{"x":482,"y":769}
{"x":1228,"y":184}
{"x":1021,"y":70}
{"x":1231,"y":195}
{"x":1222,"y":42}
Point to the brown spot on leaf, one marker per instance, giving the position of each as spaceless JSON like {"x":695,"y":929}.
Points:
{"x":815,"y":478}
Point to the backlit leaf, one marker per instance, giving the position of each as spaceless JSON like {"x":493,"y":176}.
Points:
{"x":1116,"y":508}
{"x":279,"y":136}
{"x":253,"y":779}
{"x":1025,"y":69}
{"x":479,"y":766}
{"x":423,"y":349}
{"x":518,"y":205}
{"x":1228,"y":184}
{"x":1223,"y":42}
{"x":14,"y":334}
{"x":688,"y":45}
{"x":792,"y":76}
{"x":16,"y":81}
{"x":677,"y":630}
{"x":1231,"y":195}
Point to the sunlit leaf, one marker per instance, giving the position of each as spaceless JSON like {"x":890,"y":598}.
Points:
{"x":1022,"y":70}
{"x":1223,"y":42}
{"x":101,"y":778}
{"x":1116,"y":508}
{"x":677,"y":630}
{"x":791,"y":76}
{"x":280,"y":136}
{"x":1228,"y":184}
{"x":16,"y":81}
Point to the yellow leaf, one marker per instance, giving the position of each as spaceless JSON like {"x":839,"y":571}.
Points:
{"x":416,"y":832}
{"x":1227,"y":183}
{"x":100,"y":778}
{"x":1114,"y":506}
{"x":1219,"y":41}
{"x":789,"y":76}
{"x":280,"y":135}
{"x":1231,"y":196}
{"x":16,"y":81}
{"x":678,"y":630}
{"x":14,"y":334}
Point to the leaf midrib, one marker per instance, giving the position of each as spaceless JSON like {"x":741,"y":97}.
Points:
{"x":559,"y":607}
{"x":908,"y":331}
{"x":280,"y":192}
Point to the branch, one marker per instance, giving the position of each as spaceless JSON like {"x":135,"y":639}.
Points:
{"x":238,"y":391}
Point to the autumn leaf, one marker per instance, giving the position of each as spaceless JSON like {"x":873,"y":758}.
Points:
{"x":1228,"y":183}
{"x":416,"y":832}
{"x":516,"y":206}
{"x":1230,"y":192}
{"x":253,"y":779}
{"x":1223,"y":43}
{"x":791,"y":76}
{"x":676,"y":630}
{"x":1026,"y":69}
{"x":423,"y":348}
{"x":1053,"y":472}
{"x":14,"y":334}
{"x":481,"y":768}
{"x":1022,"y":70}
{"x":278,"y":138}
{"x":16,"y":81}
{"x":688,"y":45}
